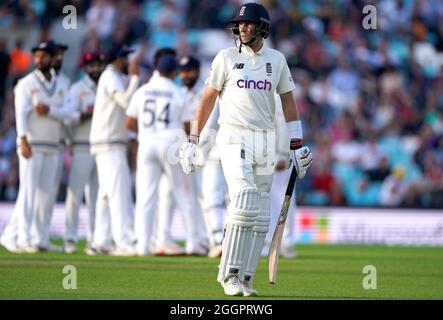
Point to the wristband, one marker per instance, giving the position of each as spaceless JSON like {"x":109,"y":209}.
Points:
{"x":295,"y":130}
{"x":295,"y":144}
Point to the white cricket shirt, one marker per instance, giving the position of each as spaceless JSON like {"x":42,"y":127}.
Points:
{"x":159,"y":107}
{"x":81,"y":98}
{"x":247,"y":82}
{"x":108,"y":130}
{"x":42,"y":132}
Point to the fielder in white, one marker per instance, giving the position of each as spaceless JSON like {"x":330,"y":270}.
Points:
{"x":38,"y":108}
{"x":109,"y":139}
{"x":214,"y":183}
{"x":156,"y":112}
{"x":164,"y":243}
{"x":63,"y":83}
{"x":83,"y":174}
{"x":189,"y":73}
{"x":245,"y":79}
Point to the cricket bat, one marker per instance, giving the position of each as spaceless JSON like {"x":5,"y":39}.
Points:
{"x":274,"y":250}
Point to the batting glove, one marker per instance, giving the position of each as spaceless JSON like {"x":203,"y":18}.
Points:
{"x":190,"y":156}
{"x":301,"y":157}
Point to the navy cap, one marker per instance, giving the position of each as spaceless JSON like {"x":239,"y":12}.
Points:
{"x":62,"y":46}
{"x":189,"y":63}
{"x":118,"y":51}
{"x":167,"y":64}
{"x":48,"y":46}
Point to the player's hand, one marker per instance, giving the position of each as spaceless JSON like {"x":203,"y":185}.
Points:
{"x":42,"y":109}
{"x":301,"y":157}
{"x":187,"y":155}
{"x":25,"y":148}
{"x":191,"y":157}
{"x":281,"y":165}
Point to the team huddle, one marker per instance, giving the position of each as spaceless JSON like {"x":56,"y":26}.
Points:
{"x":203,"y":148}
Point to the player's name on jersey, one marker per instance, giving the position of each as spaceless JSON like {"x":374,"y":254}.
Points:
{"x":159,"y":93}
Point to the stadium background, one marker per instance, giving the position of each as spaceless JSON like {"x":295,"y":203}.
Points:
{"x":371,"y":100}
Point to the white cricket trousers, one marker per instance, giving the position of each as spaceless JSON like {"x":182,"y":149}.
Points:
{"x":248,"y":160}
{"x":28,"y":223}
{"x":166,"y":209}
{"x":152,"y":163}
{"x":82,"y":180}
{"x":114,"y":210}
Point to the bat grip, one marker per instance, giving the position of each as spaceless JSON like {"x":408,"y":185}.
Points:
{"x":295,"y":144}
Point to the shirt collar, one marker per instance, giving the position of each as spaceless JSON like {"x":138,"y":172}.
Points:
{"x":42,"y":77}
{"x":250,"y":51}
{"x":89,"y":81}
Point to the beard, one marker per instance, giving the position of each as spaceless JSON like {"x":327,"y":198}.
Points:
{"x":44,"y":68}
{"x":94,"y":76}
{"x":57,"y":66}
{"x":190,"y":82}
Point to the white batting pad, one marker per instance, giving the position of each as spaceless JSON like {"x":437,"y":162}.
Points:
{"x":259,"y":231}
{"x":242,"y":213}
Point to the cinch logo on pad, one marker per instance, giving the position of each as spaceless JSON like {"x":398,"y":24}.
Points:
{"x":252,"y":84}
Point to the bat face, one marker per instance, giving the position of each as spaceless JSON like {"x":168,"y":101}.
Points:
{"x":274,"y":250}
{"x":274,"y":253}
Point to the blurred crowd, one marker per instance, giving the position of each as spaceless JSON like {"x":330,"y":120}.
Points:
{"x":371,"y":100}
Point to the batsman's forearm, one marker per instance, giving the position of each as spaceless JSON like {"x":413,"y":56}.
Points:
{"x":289,"y":106}
{"x":204,"y":110}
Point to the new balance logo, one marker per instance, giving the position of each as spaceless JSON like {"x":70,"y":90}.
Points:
{"x":238,"y":66}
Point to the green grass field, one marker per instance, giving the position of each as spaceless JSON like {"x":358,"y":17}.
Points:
{"x":319,"y":272}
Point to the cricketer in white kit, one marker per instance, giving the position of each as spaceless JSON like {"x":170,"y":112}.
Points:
{"x":38,"y":108}
{"x":63,"y":83}
{"x":245,"y":80}
{"x":83,"y":178}
{"x":157,"y":113}
{"x":109,"y":138}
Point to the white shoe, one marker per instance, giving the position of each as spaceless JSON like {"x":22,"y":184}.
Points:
{"x":50,"y":247}
{"x":288,"y":252}
{"x":215,"y":252}
{"x":70,"y":246}
{"x":248,"y":291}
{"x":197,"y":250}
{"x":172,"y":250}
{"x":11,"y":247}
{"x":232,"y":286}
{"x":124,"y":251}
{"x":27,"y":249}
{"x":94,"y":251}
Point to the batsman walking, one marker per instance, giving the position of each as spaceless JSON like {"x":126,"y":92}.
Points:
{"x":245,"y":79}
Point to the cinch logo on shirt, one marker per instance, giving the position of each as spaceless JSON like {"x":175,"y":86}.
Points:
{"x":252,"y":84}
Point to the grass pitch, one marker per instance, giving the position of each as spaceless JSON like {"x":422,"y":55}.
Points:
{"x":319,"y":272}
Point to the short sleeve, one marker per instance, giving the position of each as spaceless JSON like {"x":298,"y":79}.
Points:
{"x":286,"y":83}
{"x":132,"y":110}
{"x":217,"y":76}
